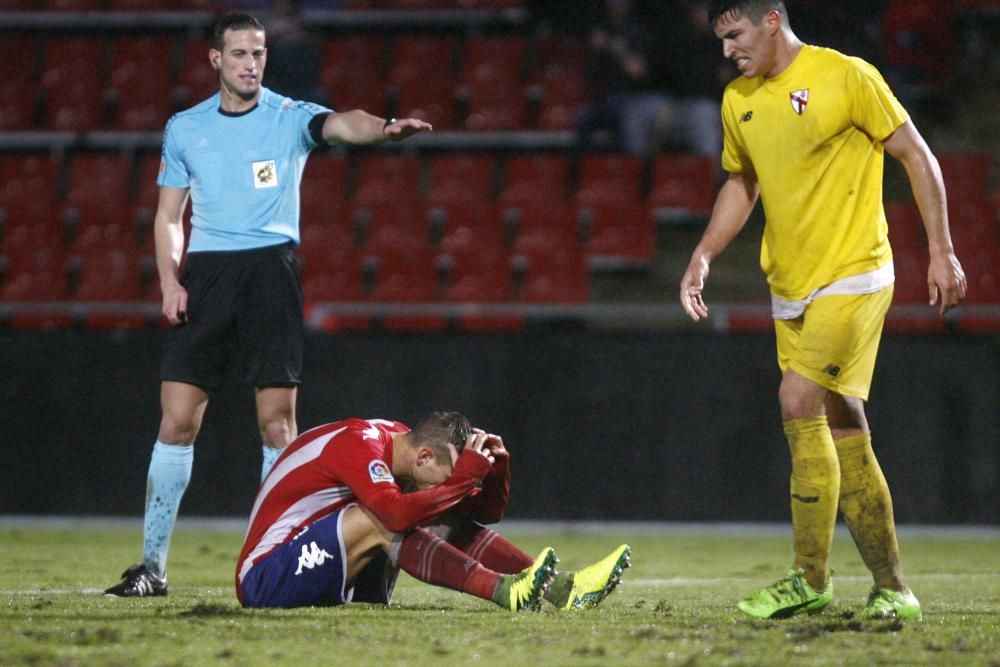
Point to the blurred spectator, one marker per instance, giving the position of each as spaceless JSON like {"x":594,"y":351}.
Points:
{"x":625,"y":97}
{"x":293,"y":55}
{"x":689,"y":62}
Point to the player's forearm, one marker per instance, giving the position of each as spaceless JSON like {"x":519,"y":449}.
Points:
{"x":169,"y":239}
{"x":489,"y":505}
{"x":400,"y":512}
{"x":733,"y":205}
{"x":927,"y":184}
{"x":354,"y":127}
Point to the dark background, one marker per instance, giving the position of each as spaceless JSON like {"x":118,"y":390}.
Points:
{"x":650,"y":426}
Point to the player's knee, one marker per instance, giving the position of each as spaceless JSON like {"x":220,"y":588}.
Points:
{"x":798,"y":404}
{"x":178,"y":430}
{"x":277,"y":430}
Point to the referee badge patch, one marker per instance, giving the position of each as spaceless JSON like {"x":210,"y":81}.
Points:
{"x":265,"y":174}
{"x":379,"y":471}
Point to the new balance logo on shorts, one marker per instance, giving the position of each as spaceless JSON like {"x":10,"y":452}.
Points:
{"x":312,"y":556}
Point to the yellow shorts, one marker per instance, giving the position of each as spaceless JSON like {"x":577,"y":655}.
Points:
{"x":835,"y":341}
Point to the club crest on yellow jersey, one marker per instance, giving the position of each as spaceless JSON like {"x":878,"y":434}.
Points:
{"x":799,"y":100}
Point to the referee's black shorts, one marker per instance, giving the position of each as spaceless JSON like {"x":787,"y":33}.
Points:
{"x":242,"y":306}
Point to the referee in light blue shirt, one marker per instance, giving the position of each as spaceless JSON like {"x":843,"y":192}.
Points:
{"x":239,"y":155}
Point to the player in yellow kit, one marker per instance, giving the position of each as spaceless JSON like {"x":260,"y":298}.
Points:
{"x":806,"y":128}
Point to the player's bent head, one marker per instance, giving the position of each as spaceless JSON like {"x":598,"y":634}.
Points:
{"x":754,"y":10}
{"x":439,"y":429}
{"x":233,"y":21}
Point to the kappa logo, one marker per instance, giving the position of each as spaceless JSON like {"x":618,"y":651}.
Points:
{"x":312,"y":556}
{"x":799,"y":100}
{"x":379,"y":471}
{"x":747,"y":117}
{"x":265,"y":174}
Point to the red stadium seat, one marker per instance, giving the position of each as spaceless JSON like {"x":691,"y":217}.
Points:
{"x":456,"y":223}
{"x":197,"y":80}
{"x":966,"y":176}
{"x":491,"y":82}
{"x":323,"y":189}
{"x":99,"y":185}
{"x":410,"y":276}
{"x":539,"y":229}
{"x":558,"y":275}
{"x":352,"y":73}
{"x":615,"y":233}
{"x":18,"y":102}
{"x":533,"y":179}
{"x":28,"y":184}
{"x":112,"y":275}
{"x":334,"y":275}
{"x":682,"y":185}
{"x":147,"y":192}
{"x":482,"y":276}
{"x":611,"y":175}
{"x":911,"y":276}
{"x":74,"y":89}
{"x":905,"y":227}
{"x":382,"y":177}
{"x":37,"y":273}
{"x":462,"y":175}
{"x":421,"y":78}
{"x":388,"y":228}
{"x":140,"y":67}
{"x":556,"y":73}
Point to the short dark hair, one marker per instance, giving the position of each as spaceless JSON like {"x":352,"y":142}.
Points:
{"x":233,"y":21}
{"x":754,"y":10}
{"x":438,"y":429}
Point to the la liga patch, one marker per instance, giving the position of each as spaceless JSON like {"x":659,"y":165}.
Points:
{"x":379,"y":471}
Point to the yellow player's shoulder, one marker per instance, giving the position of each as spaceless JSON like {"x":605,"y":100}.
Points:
{"x":832,"y":60}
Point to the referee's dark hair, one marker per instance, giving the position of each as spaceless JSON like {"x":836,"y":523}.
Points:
{"x":233,"y":21}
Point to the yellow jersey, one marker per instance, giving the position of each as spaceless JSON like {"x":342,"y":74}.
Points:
{"x":812,"y":135}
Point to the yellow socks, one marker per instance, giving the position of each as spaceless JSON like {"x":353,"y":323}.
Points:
{"x":867,"y":508}
{"x":815,"y":490}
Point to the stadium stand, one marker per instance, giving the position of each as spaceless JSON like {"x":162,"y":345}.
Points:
{"x":498,"y":207}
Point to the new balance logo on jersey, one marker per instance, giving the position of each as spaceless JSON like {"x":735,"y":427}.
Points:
{"x":746,"y":118}
{"x":312,"y":556}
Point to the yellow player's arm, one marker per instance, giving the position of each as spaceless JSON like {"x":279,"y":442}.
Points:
{"x":733,"y":205}
{"x":945,"y":278}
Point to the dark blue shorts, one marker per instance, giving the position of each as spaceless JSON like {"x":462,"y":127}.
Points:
{"x":310,"y":571}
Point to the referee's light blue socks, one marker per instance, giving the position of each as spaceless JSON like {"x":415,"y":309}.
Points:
{"x":271,"y":455}
{"x":169,"y":473}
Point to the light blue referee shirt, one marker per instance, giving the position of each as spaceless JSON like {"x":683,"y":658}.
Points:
{"x":243,"y":170}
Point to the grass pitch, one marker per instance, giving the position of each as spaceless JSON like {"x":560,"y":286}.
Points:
{"x":675,"y":606}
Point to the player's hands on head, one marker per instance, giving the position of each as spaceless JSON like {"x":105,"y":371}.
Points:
{"x":692,"y":286}
{"x":494,"y":444}
{"x":479,"y":442}
{"x":406,"y":127}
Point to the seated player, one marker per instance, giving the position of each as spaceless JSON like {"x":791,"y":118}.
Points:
{"x":351,"y":503}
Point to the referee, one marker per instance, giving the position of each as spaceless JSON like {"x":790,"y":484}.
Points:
{"x":239,"y":156}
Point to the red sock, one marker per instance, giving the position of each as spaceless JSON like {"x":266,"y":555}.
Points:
{"x":489,"y":548}
{"x":432,"y":560}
